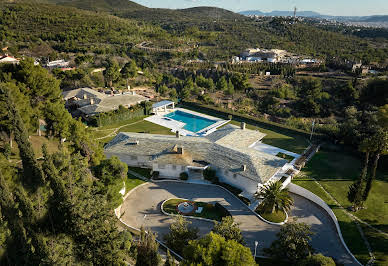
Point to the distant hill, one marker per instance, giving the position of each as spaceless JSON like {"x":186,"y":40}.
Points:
{"x":100,"y":5}
{"x":313,"y":14}
{"x":281,"y":13}
{"x":375,"y":19}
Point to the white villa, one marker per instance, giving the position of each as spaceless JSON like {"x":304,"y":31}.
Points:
{"x":228,"y":150}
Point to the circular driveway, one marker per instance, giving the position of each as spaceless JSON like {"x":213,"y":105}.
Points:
{"x":142,"y":208}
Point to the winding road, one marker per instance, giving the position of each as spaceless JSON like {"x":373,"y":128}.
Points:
{"x":142,"y":208}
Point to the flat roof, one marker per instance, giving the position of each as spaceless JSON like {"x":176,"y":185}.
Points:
{"x":162,"y":104}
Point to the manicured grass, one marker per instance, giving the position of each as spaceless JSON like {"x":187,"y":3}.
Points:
{"x":335,"y":171}
{"x":275,"y":217}
{"x":119,"y":124}
{"x":210,"y":211}
{"x":131,"y":182}
{"x":141,"y":171}
{"x":285,"y":156}
{"x":147,"y":127}
{"x":101,"y":133}
{"x":284,"y":140}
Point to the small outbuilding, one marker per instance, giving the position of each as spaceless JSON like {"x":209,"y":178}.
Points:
{"x":162,"y":106}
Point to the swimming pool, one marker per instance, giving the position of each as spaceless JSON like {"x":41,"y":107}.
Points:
{"x":193,"y":123}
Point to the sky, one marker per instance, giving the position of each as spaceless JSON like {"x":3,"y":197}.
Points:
{"x":326,"y":7}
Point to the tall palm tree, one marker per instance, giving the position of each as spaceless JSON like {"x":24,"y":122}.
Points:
{"x":275,"y":198}
{"x":379,"y":145}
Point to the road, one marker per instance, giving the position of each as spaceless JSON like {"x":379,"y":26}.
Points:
{"x":142,"y":208}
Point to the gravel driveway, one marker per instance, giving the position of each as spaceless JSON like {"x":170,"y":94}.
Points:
{"x":142,"y":208}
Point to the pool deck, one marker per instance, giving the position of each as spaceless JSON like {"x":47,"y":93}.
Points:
{"x":175,"y":126}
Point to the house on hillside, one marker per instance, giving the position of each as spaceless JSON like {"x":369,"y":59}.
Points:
{"x":87,"y":102}
{"x":58,"y":64}
{"x":228,"y":150}
{"x":6,"y":59}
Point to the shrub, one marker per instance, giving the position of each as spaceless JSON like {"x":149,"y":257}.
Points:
{"x":210,"y":175}
{"x":155,"y":175}
{"x":184,"y":176}
{"x":317,"y":260}
{"x":221,"y":209}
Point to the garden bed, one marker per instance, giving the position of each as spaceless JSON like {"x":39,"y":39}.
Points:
{"x":210,"y":211}
{"x":276,"y":217}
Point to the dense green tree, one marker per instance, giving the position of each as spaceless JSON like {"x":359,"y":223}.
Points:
{"x":311,"y":95}
{"x":57,"y":120}
{"x":31,"y":169}
{"x":356,"y":190}
{"x":229,"y":229}
{"x":147,"y":249}
{"x":129,"y":71}
{"x":170,"y":261}
{"x":379,"y":146}
{"x":214,"y":250}
{"x":180,"y":234}
{"x":317,"y":260}
{"x":240,"y":81}
{"x":111,"y":174}
{"x":112,"y":72}
{"x":86,"y":216}
{"x":275,"y":198}
{"x":222,"y":84}
{"x":292,"y":243}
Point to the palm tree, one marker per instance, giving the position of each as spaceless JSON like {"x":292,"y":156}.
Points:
{"x":355,"y":193}
{"x":275,"y":198}
{"x":379,"y":145}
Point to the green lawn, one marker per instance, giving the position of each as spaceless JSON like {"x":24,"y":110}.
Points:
{"x":335,"y":171}
{"x":132,"y":182}
{"x":119,"y":124}
{"x":141,"y":171}
{"x":209,"y":210}
{"x":287,"y":141}
{"x":147,"y":127}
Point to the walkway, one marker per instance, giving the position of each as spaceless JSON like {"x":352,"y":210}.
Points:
{"x":265,"y":148}
{"x":142,"y":208}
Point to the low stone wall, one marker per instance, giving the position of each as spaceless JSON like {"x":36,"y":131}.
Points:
{"x":298,"y":190}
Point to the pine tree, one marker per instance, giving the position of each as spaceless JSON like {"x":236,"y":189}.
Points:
{"x":147,"y":250}
{"x":86,"y":216}
{"x":31,"y":170}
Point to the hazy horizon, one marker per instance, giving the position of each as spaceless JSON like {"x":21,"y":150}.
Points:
{"x":327,"y":7}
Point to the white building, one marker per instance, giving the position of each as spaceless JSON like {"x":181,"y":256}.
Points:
{"x":8,"y":60}
{"x":228,"y":151}
{"x":58,"y":64}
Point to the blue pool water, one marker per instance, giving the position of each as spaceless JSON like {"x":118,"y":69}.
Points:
{"x":193,"y":123}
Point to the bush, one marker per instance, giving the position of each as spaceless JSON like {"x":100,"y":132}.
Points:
{"x":155,"y":175}
{"x":210,"y":175}
{"x":184,"y":176}
{"x":317,"y":260}
{"x":115,"y":116}
{"x":221,"y":209}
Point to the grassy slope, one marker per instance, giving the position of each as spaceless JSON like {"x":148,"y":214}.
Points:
{"x":335,"y":171}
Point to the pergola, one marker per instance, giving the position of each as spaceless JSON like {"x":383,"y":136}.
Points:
{"x":162,"y":105}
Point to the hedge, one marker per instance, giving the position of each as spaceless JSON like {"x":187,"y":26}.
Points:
{"x":225,"y":114}
{"x":115,"y":116}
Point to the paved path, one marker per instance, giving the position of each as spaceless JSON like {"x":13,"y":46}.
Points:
{"x":142,"y":208}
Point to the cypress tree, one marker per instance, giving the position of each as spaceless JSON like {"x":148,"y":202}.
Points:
{"x":31,"y":170}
